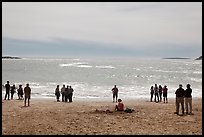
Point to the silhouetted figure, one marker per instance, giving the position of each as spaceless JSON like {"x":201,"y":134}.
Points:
{"x":165,"y":89}
{"x":57,"y":93}
{"x":66,"y":94}
{"x":70,"y":91}
{"x":120,"y":106}
{"x":20,"y":92}
{"x":180,"y":93}
{"x":13,"y":90}
{"x":160,"y":93}
{"x":188,"y":98}
{"x":63,"y":93}
{"x":115,"y":93}
{"x":27,"y":92}
{"x":156,"y":93}
{"x":7,"y":86}
{"x":151,"y":93}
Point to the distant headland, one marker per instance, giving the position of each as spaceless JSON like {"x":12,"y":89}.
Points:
{"x":9,"y":57}
{"x":175,"y":58}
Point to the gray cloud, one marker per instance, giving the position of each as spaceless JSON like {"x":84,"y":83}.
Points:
{"x":128,"y":25}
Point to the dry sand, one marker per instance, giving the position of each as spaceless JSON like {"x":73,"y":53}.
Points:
{"x":48,"y":117}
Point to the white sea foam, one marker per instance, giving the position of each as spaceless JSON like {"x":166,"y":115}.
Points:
{"x":84,"y":66}
{"x":94,"y":79}
{"x":105,"y":67}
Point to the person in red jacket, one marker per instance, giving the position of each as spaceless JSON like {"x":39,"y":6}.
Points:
{"x":120,"y":106}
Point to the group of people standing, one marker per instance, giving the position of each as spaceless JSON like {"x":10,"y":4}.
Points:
{"x":157,"y":93}
{"x":66,"y":92}
{"x":12,"y":89}
{"x":184,"y":96}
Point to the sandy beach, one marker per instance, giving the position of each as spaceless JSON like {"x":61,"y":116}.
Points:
{"x":48,"y":117}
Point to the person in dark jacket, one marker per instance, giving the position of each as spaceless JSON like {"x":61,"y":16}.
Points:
{"x":180,"y":93}
{"x":13,"y":90}
{"x":27,"y":93}
{"x":160,"y":93}
{"x":156,"y":93}
{"x":20,"y":92}
{"x":151,"y":93}
{"x":7,"y":90}
{"x":165,"y":89}
{"x":188,"y":98}
{"x":57,"y":93}
{"x":70,"y":93}
{"x":115,"y":93}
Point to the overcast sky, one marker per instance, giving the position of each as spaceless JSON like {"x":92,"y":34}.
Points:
{"x":139,"y":29}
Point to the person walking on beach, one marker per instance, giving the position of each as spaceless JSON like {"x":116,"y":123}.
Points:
{"x":7,"y":90}
{"x":180,"y":93}
{"x":57,"y":93}
{"x":13,"y":90}
{"x":160,"y":93}
{"x":120,"y":106}
{"x":188,"y":98}
{"x":70,"y":93}
{"x":115,"y":93}
{"x":152,"y":93}
{"x":20,"y":92}
{"x":156,"y":93}
{"x":27,"y":92}
{"x":63,"y":93}
{"x":165,"y":89}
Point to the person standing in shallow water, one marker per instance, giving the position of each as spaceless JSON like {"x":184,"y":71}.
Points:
{"x":27,"y":92}
{"x":57,"y":93}
{"x":7,"y":90}
{"x":188,"y":98}
{"x":115,"y":93}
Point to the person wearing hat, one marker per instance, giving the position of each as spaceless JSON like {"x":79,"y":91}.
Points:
{"x":180,"y":93}
{"x":120,"y":106}
{"x":188,"y":98}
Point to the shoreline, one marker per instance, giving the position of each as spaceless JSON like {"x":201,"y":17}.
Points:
{"x":49,"y":117}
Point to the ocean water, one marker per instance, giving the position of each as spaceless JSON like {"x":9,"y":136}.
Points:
{"x":95,"y":77}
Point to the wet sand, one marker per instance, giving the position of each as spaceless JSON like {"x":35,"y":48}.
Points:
{"x":48,"y":117}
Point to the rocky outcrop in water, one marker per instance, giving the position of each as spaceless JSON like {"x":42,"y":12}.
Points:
{"x":199,"y":58}
{"x":9,"y":57}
